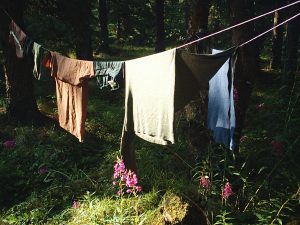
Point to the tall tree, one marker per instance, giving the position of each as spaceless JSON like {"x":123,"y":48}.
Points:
{"x":77,"y":13}
{"x":247,"y":62}
{"x":200,"y":12}
{"x":103,"y":20}
{"x":292,"y":44}
{"x":21,"y":102}
{"x":187,"y":15}
{"x":123,"y":13}
{"x":82,"y":25}
{"x":196,"y":111}
{"x":160,"y":26}
{"x":277,"y":38}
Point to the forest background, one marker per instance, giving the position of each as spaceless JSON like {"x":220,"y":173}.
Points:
{"x":47,"y":177}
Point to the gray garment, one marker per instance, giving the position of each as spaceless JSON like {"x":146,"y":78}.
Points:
{"x":106,"y":73}
{"x":157,"y":86}
{"x":149,"y":97}
{"x":221,"y":113}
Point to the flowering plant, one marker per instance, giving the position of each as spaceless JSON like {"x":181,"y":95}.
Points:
{"x":9,"y":144}
{"x":227,"y":191}
{"x":126,"y":180}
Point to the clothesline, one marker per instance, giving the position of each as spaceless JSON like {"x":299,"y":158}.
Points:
{"x":144,"y":113}
{"x":239,"y":24}
{"x":228,"y":28}
{"x":282,"y":23}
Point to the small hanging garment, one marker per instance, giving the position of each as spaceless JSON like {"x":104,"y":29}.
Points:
{"x":221,"y":113}
{"x":21,"y":41}
{"x":107,"y":73}
{"x":71,"y":91}
{"x":39,"y":54}
{"x":157,"y":86}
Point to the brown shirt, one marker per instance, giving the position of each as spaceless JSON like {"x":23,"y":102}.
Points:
{"x":71,"y":92}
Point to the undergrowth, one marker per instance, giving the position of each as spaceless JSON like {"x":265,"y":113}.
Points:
{"x":47,"y":177}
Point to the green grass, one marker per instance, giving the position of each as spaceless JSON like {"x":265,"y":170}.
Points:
{"x":264,"y":183}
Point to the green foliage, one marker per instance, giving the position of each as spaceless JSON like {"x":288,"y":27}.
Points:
{"x":47,"y":171}
{"x":49,"y":178}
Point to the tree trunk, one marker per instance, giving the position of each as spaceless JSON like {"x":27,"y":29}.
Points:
{"x":103,"y":25}
{"x":21,"y":103}
{"x":83,"y":31}
{"x":187,"y":15}
{"x":160,"y":26}
{"x":291,"y":46}
{"x":200,"y":11}
{"x":123,"y":14}
{"x":247,"y":62}
{"x":277,"y":39}
{"x":196,"y":111}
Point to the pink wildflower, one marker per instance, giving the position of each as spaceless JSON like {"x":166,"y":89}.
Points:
{"x":119,"y":168}
{"x":204,"y":182}
{"x":131,"y":179}
{"x":42,"y":170}
{"x":277,"y":147}
{"x":126,"y":178}
{"x":75,"y":205}
{"x":227,"y":191}
{"x":138,"y":188}
{"x":9,"y":144}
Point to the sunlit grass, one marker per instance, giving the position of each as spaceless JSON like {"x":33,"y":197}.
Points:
{"x":169,"y":176}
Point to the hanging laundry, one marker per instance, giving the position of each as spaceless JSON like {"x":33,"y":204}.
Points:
{"x":106,"y":73}
{"x":39,"y":54}
{"x":27,"y":48}
{"x":71,"y":91}
{"x":157,"y":86}
{"x":21,"y":41}
{"x":221,"y":113}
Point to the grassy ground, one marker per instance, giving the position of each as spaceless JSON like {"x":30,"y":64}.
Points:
{"x":49,"y":178}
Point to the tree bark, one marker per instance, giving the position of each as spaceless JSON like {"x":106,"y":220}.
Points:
{"x":124,"y":23}
{"x":196,"y":111}
{"x":247,"y":62}
{"x":200,"y":11}
{"x":103,"y":25}
{"x":21,"y":103}
{"x":292,"y":40}
{"x":187,"y":15}
{"x":277,"y":38}
{"x":160,"y":26}
{"x":83,"y":31}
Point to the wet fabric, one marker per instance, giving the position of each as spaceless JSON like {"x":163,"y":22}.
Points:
{"x":107,"y":72}
{"x":221,"y":113}
{"x":71,"y":91}
{"x":39,"y":54}
{"x":18,"y":37}
{"x":157,"y":86}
